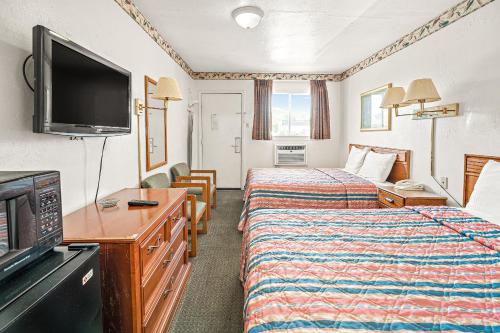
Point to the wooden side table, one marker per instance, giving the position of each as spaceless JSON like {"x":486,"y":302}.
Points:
{"x":389,"y":197}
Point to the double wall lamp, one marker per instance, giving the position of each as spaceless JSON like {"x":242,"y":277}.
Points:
{"x":166,"y":90}
{"x":420,"y":91}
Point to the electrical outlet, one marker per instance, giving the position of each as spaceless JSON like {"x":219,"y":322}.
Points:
{"x":444,"y":182}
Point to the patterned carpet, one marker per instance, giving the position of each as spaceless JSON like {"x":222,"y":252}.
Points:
{"x":213,"y":300}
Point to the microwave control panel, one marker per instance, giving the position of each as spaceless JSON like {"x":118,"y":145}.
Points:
{"x":49,"y":212}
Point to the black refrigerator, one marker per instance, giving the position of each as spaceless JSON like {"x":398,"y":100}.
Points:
{"x":60,"y":292}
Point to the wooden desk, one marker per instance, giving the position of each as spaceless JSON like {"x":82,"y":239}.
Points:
{"x":389,"y":197}
{"x":143,"y":256}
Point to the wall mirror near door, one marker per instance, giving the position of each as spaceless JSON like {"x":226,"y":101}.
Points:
{"x":156,"y":127}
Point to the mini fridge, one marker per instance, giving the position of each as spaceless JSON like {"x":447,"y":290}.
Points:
{"x":60,"y":292}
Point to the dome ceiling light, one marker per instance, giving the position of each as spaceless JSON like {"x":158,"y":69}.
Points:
{"x":248,"y":17}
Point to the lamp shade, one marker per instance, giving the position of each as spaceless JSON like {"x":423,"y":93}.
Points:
{"x":167,"y":89}
{"x":421,"y":90}
{"x":393,"y":98}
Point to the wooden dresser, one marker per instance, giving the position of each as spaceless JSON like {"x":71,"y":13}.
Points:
{"x":143,"y":256}
{"x":389,"y":197}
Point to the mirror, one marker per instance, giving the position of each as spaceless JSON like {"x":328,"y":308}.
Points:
{"x":156,"y":128}
{"x":373,"y":117}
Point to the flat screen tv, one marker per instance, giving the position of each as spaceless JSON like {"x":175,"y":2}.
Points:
{"x":77,"y":92}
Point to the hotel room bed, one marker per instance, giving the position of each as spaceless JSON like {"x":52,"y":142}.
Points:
{"x":434,"y":269}
{"x":320,"y":188}
{"x":413,"y":269}
{"x":306,"y":188}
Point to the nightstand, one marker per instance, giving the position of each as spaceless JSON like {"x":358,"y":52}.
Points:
{"x":389,"y":197}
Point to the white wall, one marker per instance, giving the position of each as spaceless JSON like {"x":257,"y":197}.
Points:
{"x":463,"y":61}
{"x":104,"y":28}
{"x":258,"y":154}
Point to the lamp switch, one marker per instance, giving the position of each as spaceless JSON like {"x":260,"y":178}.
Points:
{"x":139,"y":107}
{"x":444,"y":182}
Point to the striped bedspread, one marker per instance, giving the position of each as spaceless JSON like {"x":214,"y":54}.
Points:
{"x":405,"y":270}
{"x":306,"y":189}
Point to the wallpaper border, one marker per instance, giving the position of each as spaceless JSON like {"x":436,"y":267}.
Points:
{"x":448,"y":17}
{"x":264,"y":76}
{"x":144,"y":23}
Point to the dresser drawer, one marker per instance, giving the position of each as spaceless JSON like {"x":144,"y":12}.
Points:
{"x":153,"y":246}
{"x":151,"y":284}
{"x":176,"y":215}
{"x":390,"y":200}
{"x":166,"y":293}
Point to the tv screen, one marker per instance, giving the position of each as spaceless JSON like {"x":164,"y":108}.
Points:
{"x":76,"y":91}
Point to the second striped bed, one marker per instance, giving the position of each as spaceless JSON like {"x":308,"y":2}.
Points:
{"x":306,"y":189}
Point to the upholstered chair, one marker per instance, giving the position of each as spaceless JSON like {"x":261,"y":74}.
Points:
{"x":197,"y":209}
{"x":182,"y":173}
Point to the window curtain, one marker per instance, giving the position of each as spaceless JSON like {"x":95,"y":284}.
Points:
{"x":262,"y":126}
{"x":320,"y":111}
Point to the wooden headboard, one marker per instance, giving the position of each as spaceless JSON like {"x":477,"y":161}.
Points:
{"x":473,"y":164}
{"x":400,"y":169}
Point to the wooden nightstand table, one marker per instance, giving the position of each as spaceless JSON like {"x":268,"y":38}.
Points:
{"x":389,"y":197}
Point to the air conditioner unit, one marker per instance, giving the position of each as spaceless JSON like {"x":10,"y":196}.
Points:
{"x":290,"y":154}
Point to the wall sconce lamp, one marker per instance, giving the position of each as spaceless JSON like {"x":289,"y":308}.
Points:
{"x":393,"y":99}
{"x":420,"y":91}
{"x":166,"y":90}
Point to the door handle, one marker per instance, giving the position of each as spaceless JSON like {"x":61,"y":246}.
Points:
{"x":237,"y":145}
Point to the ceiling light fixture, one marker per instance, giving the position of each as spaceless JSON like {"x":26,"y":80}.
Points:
{"x":248,"y":17}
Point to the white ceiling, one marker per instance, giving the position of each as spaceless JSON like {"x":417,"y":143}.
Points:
{"x":301,"y":36}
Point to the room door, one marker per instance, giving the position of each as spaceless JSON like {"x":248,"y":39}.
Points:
{"x":221,"y":116}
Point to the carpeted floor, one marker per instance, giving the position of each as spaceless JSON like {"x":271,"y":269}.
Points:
{"x":213,"y":300}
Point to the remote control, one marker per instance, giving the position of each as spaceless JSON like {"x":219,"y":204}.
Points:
{"x":142,"y":203}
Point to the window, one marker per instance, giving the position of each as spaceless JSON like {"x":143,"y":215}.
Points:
{"x":291,"y":114}
{"x":291,"y":109}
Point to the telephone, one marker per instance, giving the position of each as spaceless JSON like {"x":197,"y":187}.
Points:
{"x":409,"y":185}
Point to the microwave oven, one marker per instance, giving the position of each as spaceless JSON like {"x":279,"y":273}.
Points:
{"x":30,"y":217}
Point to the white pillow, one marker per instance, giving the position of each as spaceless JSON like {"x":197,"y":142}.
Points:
{"x":355,"y":159}
{"x":486,"y":195}
{"x":377,"y":167}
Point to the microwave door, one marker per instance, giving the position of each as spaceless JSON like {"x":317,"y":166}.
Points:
{"x":22,"y":220}
{"x":4,"y":230}
{"x":17,"y":217}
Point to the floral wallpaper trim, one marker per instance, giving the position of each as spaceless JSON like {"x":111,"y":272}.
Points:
{"x":264,"y":76}
{"x":140,"y":19}
{"x":448,"y":17}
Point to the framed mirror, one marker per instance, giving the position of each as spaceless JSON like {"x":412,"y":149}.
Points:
{"x":373,"y":117}
{"x":156,"y":128}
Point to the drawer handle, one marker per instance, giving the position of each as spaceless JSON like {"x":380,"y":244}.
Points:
{"x":177,"y":218}
{"x":167,"y":261}
{"x":389,"y":200}
{"x":152,"y":248}
{"x":169,"y":290}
